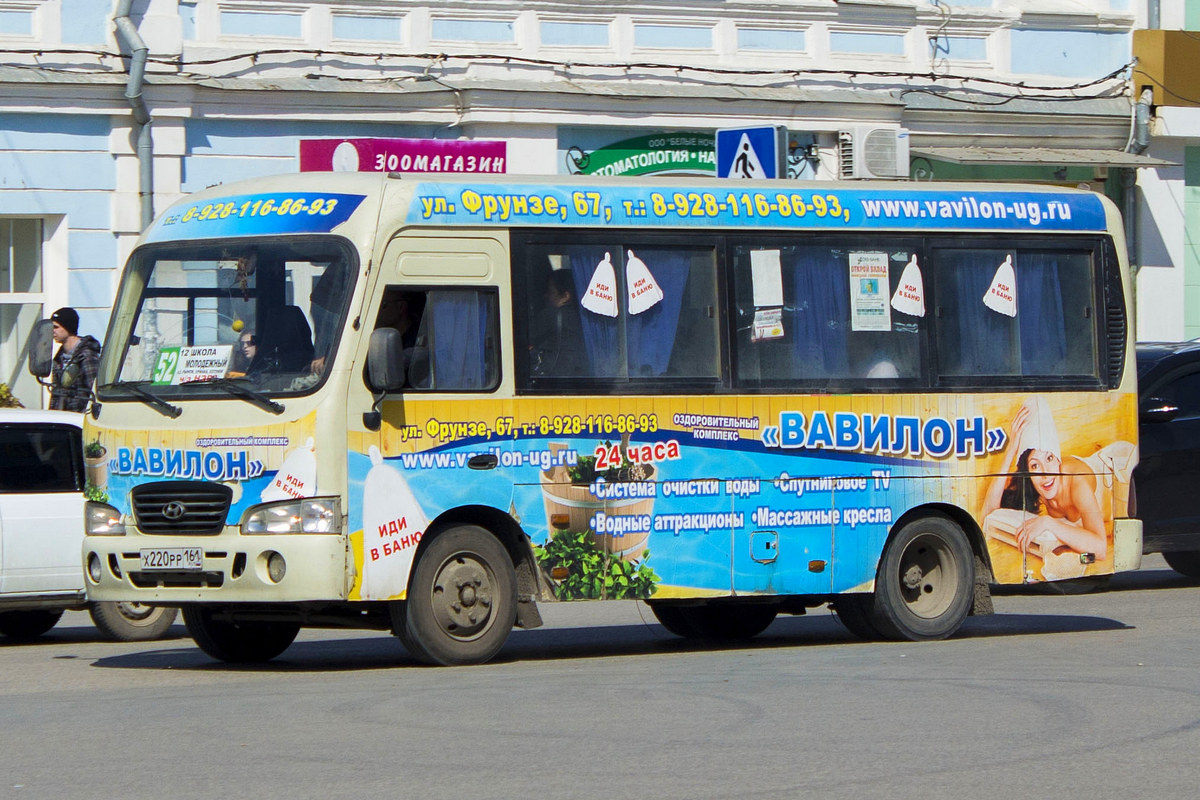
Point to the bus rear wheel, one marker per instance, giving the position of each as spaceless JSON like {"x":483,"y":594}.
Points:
{"x":673,"y":619}
{"x":238,"y":642}
{"x":925,"y":584}
{"x":719,"y":621}
{"x":462,"y":599}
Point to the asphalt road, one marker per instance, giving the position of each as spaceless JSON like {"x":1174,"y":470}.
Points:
{"x":1088,"y":696}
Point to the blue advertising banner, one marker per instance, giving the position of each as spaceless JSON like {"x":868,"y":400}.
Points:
{"x":257,"y":214}
{"x":517,"y":205}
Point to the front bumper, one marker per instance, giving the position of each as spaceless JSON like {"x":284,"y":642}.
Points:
{"x":234,"y":569}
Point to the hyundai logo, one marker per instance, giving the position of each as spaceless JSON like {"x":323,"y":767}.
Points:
{"x":174,"y":510}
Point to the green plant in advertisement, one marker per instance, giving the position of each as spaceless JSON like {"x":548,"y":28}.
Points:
{"x":590,"y":574}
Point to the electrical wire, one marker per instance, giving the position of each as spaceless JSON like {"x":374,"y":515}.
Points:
{"x":186,"y":69}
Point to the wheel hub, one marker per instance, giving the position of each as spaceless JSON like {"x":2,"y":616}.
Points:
{"x":913,"y":577}
{"x":462,"y":597}
{"x":928,"y":576}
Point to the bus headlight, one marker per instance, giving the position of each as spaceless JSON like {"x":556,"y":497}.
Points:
{"x":101,"y":519}
{"x":309,"y":515}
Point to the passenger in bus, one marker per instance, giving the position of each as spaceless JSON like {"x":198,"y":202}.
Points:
{"x":1066,"y":495}
{"x":556,"y":345}
{"x":325,"y":305}
{"x":242,"y":356}
{"x":284,"y":343}
{"x":403,"y":311}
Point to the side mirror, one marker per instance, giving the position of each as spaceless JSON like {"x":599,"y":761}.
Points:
{"x":385,"y":360}
{"x":41,"y":348}
{"x":1155,"y":409}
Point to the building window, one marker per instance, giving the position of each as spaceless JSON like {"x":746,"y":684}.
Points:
{"x":261,"y":23}
{"x":472,"y":30}
{"x":21,"y":302}
{"x":881,"y":44}
{"x":958,"y":48}
{"x":354,"y":27}
{"x":679,"y":37}
{"x":574,"y":34}
{"x":16,"y":23}
{"x":771,"y":39}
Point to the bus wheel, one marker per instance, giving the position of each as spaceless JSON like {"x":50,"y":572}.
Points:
{"x":730,"y":621}
{"x":854,"y":611}
{"x":673,"y":619}
{"x":462,"y":599}
{"x":926,"y":581}
{"x":132,"y":622}
{"x":28,"y":624}
{"x":238,"y":642}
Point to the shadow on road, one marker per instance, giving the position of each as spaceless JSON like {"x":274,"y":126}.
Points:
{"x":380,"y":651}
{"x":1139,"y":581}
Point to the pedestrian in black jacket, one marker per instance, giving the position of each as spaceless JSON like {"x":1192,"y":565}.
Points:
{"x":75,"y":363}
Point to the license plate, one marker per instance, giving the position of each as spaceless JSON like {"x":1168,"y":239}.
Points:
{"x":173,"y":558}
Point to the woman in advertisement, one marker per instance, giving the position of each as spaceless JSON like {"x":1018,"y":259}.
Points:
{"x":1065,"y":496}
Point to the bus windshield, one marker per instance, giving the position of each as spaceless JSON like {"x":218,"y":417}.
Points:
{"x":199,"y":318}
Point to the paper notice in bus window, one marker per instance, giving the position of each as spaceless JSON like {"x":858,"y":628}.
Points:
{"x":767,"y":278}
{"x":178,"y":365}
{"x":768,"y":324}
{"x":869,"y":292}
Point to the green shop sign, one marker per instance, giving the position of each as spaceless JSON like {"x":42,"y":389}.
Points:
{"x":680,"y":153}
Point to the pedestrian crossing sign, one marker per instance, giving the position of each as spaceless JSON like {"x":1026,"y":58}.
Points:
{"x":744,"y":153}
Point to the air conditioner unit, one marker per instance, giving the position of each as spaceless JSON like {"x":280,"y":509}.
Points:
{"x":865,"y":151}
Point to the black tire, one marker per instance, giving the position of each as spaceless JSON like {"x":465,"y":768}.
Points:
{"x":729,"y":621}
{"x":132,"y":622}
{"x":1086,"y":585}
{"x":855,"y":612}
{"x":462,"y":599}
{"x":24,"y":625}
{"x":238,"y":642}
{"x":926,"y":579}
{"x":673,"y":619}
{"x":1185,"y":562}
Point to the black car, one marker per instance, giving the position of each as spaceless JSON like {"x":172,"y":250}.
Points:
{"x":1166,"y":482}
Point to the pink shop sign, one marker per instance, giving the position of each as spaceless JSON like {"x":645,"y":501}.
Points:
{"x":402,"y":155}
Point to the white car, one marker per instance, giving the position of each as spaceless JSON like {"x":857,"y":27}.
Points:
{"x":42,"y":485}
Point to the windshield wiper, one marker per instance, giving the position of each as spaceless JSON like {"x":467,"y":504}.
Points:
{"x":149,"y":398}
{"x":245,"y":393}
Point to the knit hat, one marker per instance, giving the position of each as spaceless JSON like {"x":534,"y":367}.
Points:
{"x":68,"y":318}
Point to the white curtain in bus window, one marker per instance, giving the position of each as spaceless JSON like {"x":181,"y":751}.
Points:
{"x":665,"y":325}
{"x":1053,"y":332}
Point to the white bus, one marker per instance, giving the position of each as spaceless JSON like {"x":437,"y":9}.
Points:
{"x":424,"y":405}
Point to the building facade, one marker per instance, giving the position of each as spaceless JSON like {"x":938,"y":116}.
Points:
{"x":1166,"y":80}
{"x":111,"y":110}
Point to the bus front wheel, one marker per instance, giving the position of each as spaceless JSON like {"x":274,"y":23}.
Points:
{"x":462,"y":599}
{"x":925,"y":584}
{"x":238,"y":642}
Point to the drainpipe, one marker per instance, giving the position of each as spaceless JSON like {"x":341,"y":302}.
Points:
{"x":1153,"y":20}
{"x":1139,"y":140}
{"x":128,"y":35}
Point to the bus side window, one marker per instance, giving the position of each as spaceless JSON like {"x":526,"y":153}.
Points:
{"x":448,"y":336}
